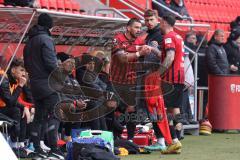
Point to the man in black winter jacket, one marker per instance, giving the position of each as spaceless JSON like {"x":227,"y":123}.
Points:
{"x":232,"y":48}
{"x":154,"y":41}
{"x":88,"y":77}
{"x":216,"y":56}
{"x":40,"y":60}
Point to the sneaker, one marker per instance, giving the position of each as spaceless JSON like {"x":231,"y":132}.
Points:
{"x":155,"y":147}
{"x":192,"y":121}
{"x":30,"y":153}
{"x":173,"y":148}
{"x":31,"y":147}
{"x":56,"y":154}
{"x":39,"y":154}
{"x":178,"y":151}
{"x":44,"y":147}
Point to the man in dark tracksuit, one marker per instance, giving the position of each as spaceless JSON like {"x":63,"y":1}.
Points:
{"x":60,"y":78}
{"x":216,"y":56}
{"x":154,"y":39}
{"x":88,"y":76}
{"x":40,"y":60}
{"x":232,"y":49}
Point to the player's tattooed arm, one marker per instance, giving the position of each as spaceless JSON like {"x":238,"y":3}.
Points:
{"x":167,"y":61}
{"x":156,"y":51}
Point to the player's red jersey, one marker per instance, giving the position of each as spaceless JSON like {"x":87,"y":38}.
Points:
{"x":124,"y":73}
{"x":175,"y":73}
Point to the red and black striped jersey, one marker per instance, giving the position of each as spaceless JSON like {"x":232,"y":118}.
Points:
{"x":175,"y":73}
{"x":122,"y":72}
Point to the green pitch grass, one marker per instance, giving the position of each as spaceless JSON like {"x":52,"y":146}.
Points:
{"x":214,"y":147}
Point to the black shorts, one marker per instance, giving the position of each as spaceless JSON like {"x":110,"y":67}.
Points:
{"x":174,"y":99}
{"x":125,"y":93}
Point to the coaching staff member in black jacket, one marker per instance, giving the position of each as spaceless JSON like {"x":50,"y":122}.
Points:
{"x":40,"y":60}
{"x":216,"y":56}
{"x":232,"y":48}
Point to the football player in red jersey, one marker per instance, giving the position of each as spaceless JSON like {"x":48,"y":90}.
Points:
{"x":128,"y":47}
{"x":173,"y":72}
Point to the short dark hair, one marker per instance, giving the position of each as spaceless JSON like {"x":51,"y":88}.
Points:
{"x":233,"y":25}
{"x":169,"y":19}
{"x":17,"y":63}
{"x":62,"y":56}
{"x":150,"y":13}
{"x":133,"y":20}
{"x":190,"y":33}
{"x":235,"y":34}
{"x":237,"y":19}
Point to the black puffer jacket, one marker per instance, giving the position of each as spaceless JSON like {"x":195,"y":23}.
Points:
{"x":90,"y":79}
{"x":154,"y":35}
{"x":216,"y":58}
{"x":233,"y":54}
{"x":9,"y":98}
{"x":40,"y":60}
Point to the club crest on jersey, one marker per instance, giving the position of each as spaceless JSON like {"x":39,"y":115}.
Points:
{"x":168,"y":40}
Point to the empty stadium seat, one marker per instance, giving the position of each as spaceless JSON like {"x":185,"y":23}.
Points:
{"x":217,"y":12}
{"x":1,"y":3}
{"x":60,"y":5}
{"x":213,"y":13}
{"x":52,"y":4}
{"x":68,"y":6}
{"x":75,"y":7}
{"x":44,"y":4}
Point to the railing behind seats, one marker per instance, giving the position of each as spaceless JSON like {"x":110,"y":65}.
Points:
{"x":172,"y":11}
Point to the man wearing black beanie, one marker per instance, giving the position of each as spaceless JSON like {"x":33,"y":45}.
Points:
{"x":40,"y":60}
{"x":45,"y":20}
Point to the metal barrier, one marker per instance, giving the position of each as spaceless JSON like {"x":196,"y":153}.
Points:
{"x":113,"y":10}
{"x":172,"y":11}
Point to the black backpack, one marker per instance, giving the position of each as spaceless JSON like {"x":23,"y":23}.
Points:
{"x":130,"y":146}
{"x":91,"y":152}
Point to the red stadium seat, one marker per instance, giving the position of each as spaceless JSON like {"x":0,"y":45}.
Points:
{"x":44,"y":4}
{"x":213,"y":26}
{"x":224,"y":14}
{"x":223,"y":26}
{"x":53,"y":4}
{"x":204,"y":1}
{"x":1,"y":3}
{"x":60,"y":5}
{"x":75,"y":7}
{"x":193,"y":11}
{"x":213,"y":13}
{"x":68,"y":6}
{"x":202,"y":12}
